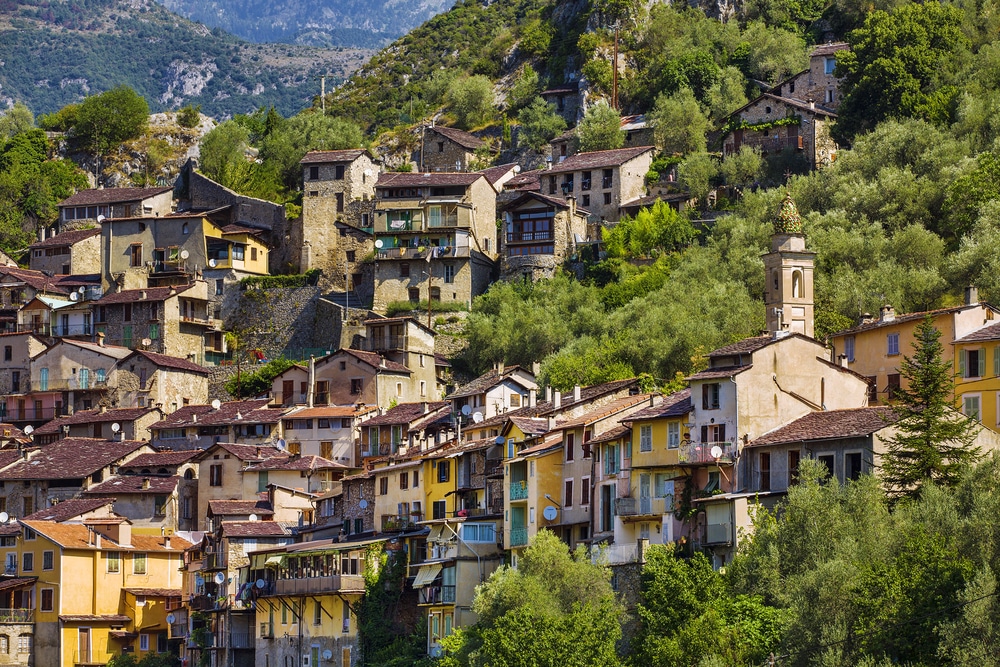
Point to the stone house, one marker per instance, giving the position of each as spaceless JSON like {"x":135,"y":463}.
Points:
{"x":220,"y":473}
{"x":18,"y":287}
{"x":133,"y":424}
{"x":408,"y":342}
{"x":562,"y":146}
{"x":200,"y":426}
{"x":328,"y":431}
{"x":601,"y":181}
{"x":540,"y":233}
{"x":91,"y":205}
{"x":73,"y":252}
{"x":501,"y":174}
{"x":637,"y":131}
{"x":308,"y":473}
{"x":148,"y":379}
{"x":238,"y":510}
{"x":448,"y":149}
{"x":153,"y":503}
{"x":348,"y":377}
{"x":435,"y":236}
{"x":62,"y":470}
{"x":71,"y":375}
{"x":762,"y":124}
{"x":17,"y":350}
{"x":175,"y":321}
{"x":818,"y":84}
{"x":357,"y":504}
{"x":566,"y":98}
{"x":498,"y":390}
{"x":337,"y":216}
{"x":407,"y":428}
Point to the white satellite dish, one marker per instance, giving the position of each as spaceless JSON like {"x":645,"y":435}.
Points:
{"x":146,"y":342}
{"x":363,"y":504}
{"x":101,"y":218}
{"x":253,"y":517}
{"x":116,"y":427}
{"x":716,"y":452}
{"x":379,"y":243}
{"x":216,"y":404}
{"x":477,"y":416}
{"x":73,"y":296}
{"x":549,"y":513}
{"x":261,"y":583}
{"x":220,"y":578}
{"x":466,"y":410}
{"x":282,"y":445}
{"x":4,"y":517}
{"x":29,"y":429}
{"x":185,"y":254}
{"x":212,"y":263}
{"x":171,"y":618}
{"x":81,"y":289}
{"x":327,"y":654}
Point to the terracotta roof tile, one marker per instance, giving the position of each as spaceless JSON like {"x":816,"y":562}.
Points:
{"x":67,"y":238}
{"x":253,"y":529}
{"x":527,"y":181}
{"x":375,"y":360}
{"x":676,"y":404}
{"x":545,"y":408}
{"x":605,"y":411}
{"x":309,"y":462}
{"x":34,"y":279}
{"x":113,"y":351}
{"x":407,"y":413}
{"x":320,"y":157}
{"x":720,"y":372}
{"x":71,"y":458}
{"x":69,"y":509}
{"x":112,"y":196}
{"x":829,"y":48}
{"x":156,"y":592}
{"x":485,"y":382}
{"x":129,"y":484}
{"x":417,"y":180}
{"x":332,"y":411}
{"x":75,"y":536}
{"x":159,"y":459}
{"x":173,"y":363}
{"x":830,"y":425}
{"x":94,"y":618}
{"x":991,"y":332}
{"x":148,"y":294}
{"x":599,"y":159}
{"x":460,"y":137}
{"x":608,"y":436}
{"x":745,"y":346}
{"x":910,"y":317}
{"x":531,"y":425}
{"x":93,"y":417}
{"x":206,"y":415}
{"x":239,"y":507}
{"x":242,"y":452}
{"x":494,"y":174}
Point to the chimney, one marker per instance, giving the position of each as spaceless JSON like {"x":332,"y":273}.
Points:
{"x":532,"y":398}
{"x":142,"y":295}
{"x":548,"y":394}
{"x":557,"y":400}
{"x":971,"y":296}
{"x":536,"y":368}
{"x":102,"y":409}
{"x":166,"y":541}
{"x":500,"y":368}
{"x":576,"y":393}
{"x":552,"y":423}
{"x":887,"y":314}
{"x":100,"y":338}
{"x":194,"y":416}
{"x":311,"y":392}
{"x":97,"y":539}
{"x":571,"y":201}
{"x":425,"y":407}
{"x":842,"y":360}
{"x":145,"y":483}
{"x":258,"y":452}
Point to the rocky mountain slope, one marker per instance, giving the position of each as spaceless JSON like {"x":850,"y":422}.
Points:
{"x":55,"y":53}
{"x":349,"y":23}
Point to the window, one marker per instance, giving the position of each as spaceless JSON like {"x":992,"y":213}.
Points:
{"x":444,"y":471}
{"x":25,"y":643}
{"x":159,"y":506}
{"x":872,"y":390}
{"x":347,"y":618}
{"x":46,"y":560}
{"x":972,"y":363}
{"x":479,"y":532}
{"x":710,"y":396}
{"x":135,"y":254}
{"x":567,"y":493}
{"x":586,"y":200}
{"x":114,"y":560}
{"x":404,"y":480}
{"x":215,"y":475}
{"x":970,"y":407}
{"x":253,"y":254}
{"x":351,"y":255}
{"x":827,"y":460}
{"x":646,"y":438}
{"x":673,"y":435}
{"x":338,"y":172}
{"x":139,"y":563}
{"x":314,"y":173}
{"x":570,"y":446}
{"x":416,"y":479}
{"x":28,"y":562}
{"x":239,"y":252}
{"x":793,"y":467}
{"x":607,"y":198}
{"x":413,"y":294}
{"x":849,"y":348}
{"x":356,"y":384}
{"x":829,"y":65}
{"x":317,"y":612}
{"x":893,"y":385}
{"x":852,"y":466}
{"x":892,"y":344}
{"x":585,"y":492}
{"x":764,"y":466}
{"x":143,"y":642}
{"x":449,"y":273}
{"x":340,"y":202}
{"x":438,"y":509}
{"x":383,"y":485}
{"x":8,"y":353}
{"x":404,"y":269}
{"x":4,"y":644}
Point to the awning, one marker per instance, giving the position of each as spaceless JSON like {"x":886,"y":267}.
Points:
{"x":274,"y":561}
{"x":436,"y":534}
{"x":426,"y":575}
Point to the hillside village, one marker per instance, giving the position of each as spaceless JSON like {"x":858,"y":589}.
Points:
{"x":236,"y":432}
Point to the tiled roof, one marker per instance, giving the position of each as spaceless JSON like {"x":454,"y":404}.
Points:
{"x":398,"y":320}
{"x":309,"y":462}
{"x":67,"y":238}
{"x":721,"y":372}
{"x":441,"y":360}
{"x":607,"y":410}
{"x":253,"y":529}
{"x":676,"y":404}
{"x":563,"y":88}
{"x":432,"y":179}
{"x":78,"y":280}
{"x":241,"y":229}
{"x":829,"y":48}
{"x":405,"y":413}
{"x":544,"y":408}
{"x":745,"y":346}
{"x":34,"y":279}
{"x":531,"y":425}
{"x":156,"y":592}
{"x":17,"y":582}
{"x":69,"y":509}
{"x":599,"y":159}
{"x":484,"y":382}
{"x":93,"y":417}
{"x":831,"y":425}
{"x":206,"y":415}
{"x":112,"y":196}
{"x":159,"y":459}
{"x":526,"y":180}
{"x":798,"y":104}
{"x":71,"y":458}
{"x":545,"y":443}
{"x":320,"y":157}
{"x":243,"y":452}
{"x":128,"y":484}
{"x":643,"y":202}
{"x":545,"y":199}
{"x":375,"y":360}
{"x":991,"y":332}
{"x":909,"y":317}
{"x":608,"y":436}
{"x":147,"y":294}
{"x":460,"y":137}
{"x":494,"y":174}
{"x":329,"y":411}
{"x":114,"y":351}
{"x":173,"y":363}
{"x":75,"y":536}
{"x":8,"y":456}
{"x":94,"y":618}
{"x":239,"y":507}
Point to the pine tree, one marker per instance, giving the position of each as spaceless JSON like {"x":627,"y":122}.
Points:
{"x":934,"y":443}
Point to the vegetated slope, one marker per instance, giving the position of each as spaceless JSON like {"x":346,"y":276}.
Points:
{"x":350,"y":23}
{"x":56,"y":53}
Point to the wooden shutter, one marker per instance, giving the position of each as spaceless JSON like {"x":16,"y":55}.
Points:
{"x":704,"y":397}
{"x":982,"y":362}
{"x":996,"y":361}
{"x":722,"y":432}
{"x":962,"y":358}
{"x":704,"y":433}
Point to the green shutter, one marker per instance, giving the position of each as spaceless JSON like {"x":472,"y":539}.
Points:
{"x":996,"y":361}
{"x":961,"y":363}
{"x":982,"y":362}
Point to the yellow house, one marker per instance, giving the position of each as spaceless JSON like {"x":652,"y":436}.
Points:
{"x":100,"y":591}
{"x":532,"y":475}
{"x":399,"y":495}
{"x":977,"y":375}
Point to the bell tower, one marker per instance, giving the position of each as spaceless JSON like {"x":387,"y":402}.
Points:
{"x":788,"y":270}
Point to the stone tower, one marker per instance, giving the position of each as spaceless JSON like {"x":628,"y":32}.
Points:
{"x":788,"y":270}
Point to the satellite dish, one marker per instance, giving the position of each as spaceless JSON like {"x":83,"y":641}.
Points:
{"x":146,"y":342}
{"x":212,"y":263}
{"x":282,"y":445}
{"x":716,"y":452}
{"x":171,"y":618}
{"x":199,"y":580}
{"x":81,"y":289}
{"x":216,"y":404}
{"x":253,"y":517}
{"x":327,"y":654}
{"x":29,"y":429}
{"x":261,"y":583}
{"x":549,"y":513}
{"x":379,"y":243}
{"x":116,"y":427}
{"x":466,"y":410}
{"x":185,"y":254}
{"x":73,"y":296}
{"x":101,"y":218}
{"x":477,"y":416}
{"x":220,"y":578}
{"x":4,"y":517}
{"x":363,"y":504}
{"x":499,"y":440}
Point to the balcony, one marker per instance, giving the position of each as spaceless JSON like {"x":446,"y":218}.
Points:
{"x":178,"y":630}
{"x":519,"y":490}
{"x":28,"y":414}
{"x":494,"y":468}
{"x":719,"y":533}
{"x":615,"y":554}
{"x":315,"y":585}
{"x":201,"y":602}
{"x":518,"y":537}
{"x":700,"y":453}
{"x":72,"y":330}
{"x":72,"y":384}
{"x":214,"y":561}
{"x":205,"y":321}
{"x":439,"y":252}
{"x":392,"y":523}
{"x":437,"y":594}
{"x":392,"y":342}
{"x":528,"y":237}
{"x":241,"y":640}
{"x":17,"y":615}
{"x":643,"y":506}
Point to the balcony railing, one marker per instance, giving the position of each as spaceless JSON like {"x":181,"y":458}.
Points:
{"x":518,"y":536}
{"x":519,"y":490}
{"x":493,"y":467}
{"x":436,"y":594}
{"x":615,"y":554}
{"x":701,"y":452}
{"x":519,"y":237}
{"x":216,"y":561}
{"x":241,"y":640}
{"x":178,"y":630}
{"x":72,"y":330}
{"x":71,"y":384}
{"x":329,"y":584}
{"x":399,"y":522}
{"x":12,"y":414}
{"x":644,"y":506}
{"x":719,"y":533}
{"x":386,"y":343}
{"x":17,"y":615}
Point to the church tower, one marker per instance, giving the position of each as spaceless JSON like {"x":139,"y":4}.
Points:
{"x":788,"y":268}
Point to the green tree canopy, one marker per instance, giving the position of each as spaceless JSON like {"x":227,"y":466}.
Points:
{"x":656,"y":229}
{"x":539,"y":124}
{"x":600,"y":129}
{"x":110,"y":118}
{"x":471,"y":100}
{"x":678,"y":123}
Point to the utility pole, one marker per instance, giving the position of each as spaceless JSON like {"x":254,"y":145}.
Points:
{"x":322,"y":93}
{"x":614,"y":74}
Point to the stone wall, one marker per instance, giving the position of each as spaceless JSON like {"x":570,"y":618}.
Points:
{"x":361,"y":489}
{"x":443,"y":154}
{"x":274,"y":320}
